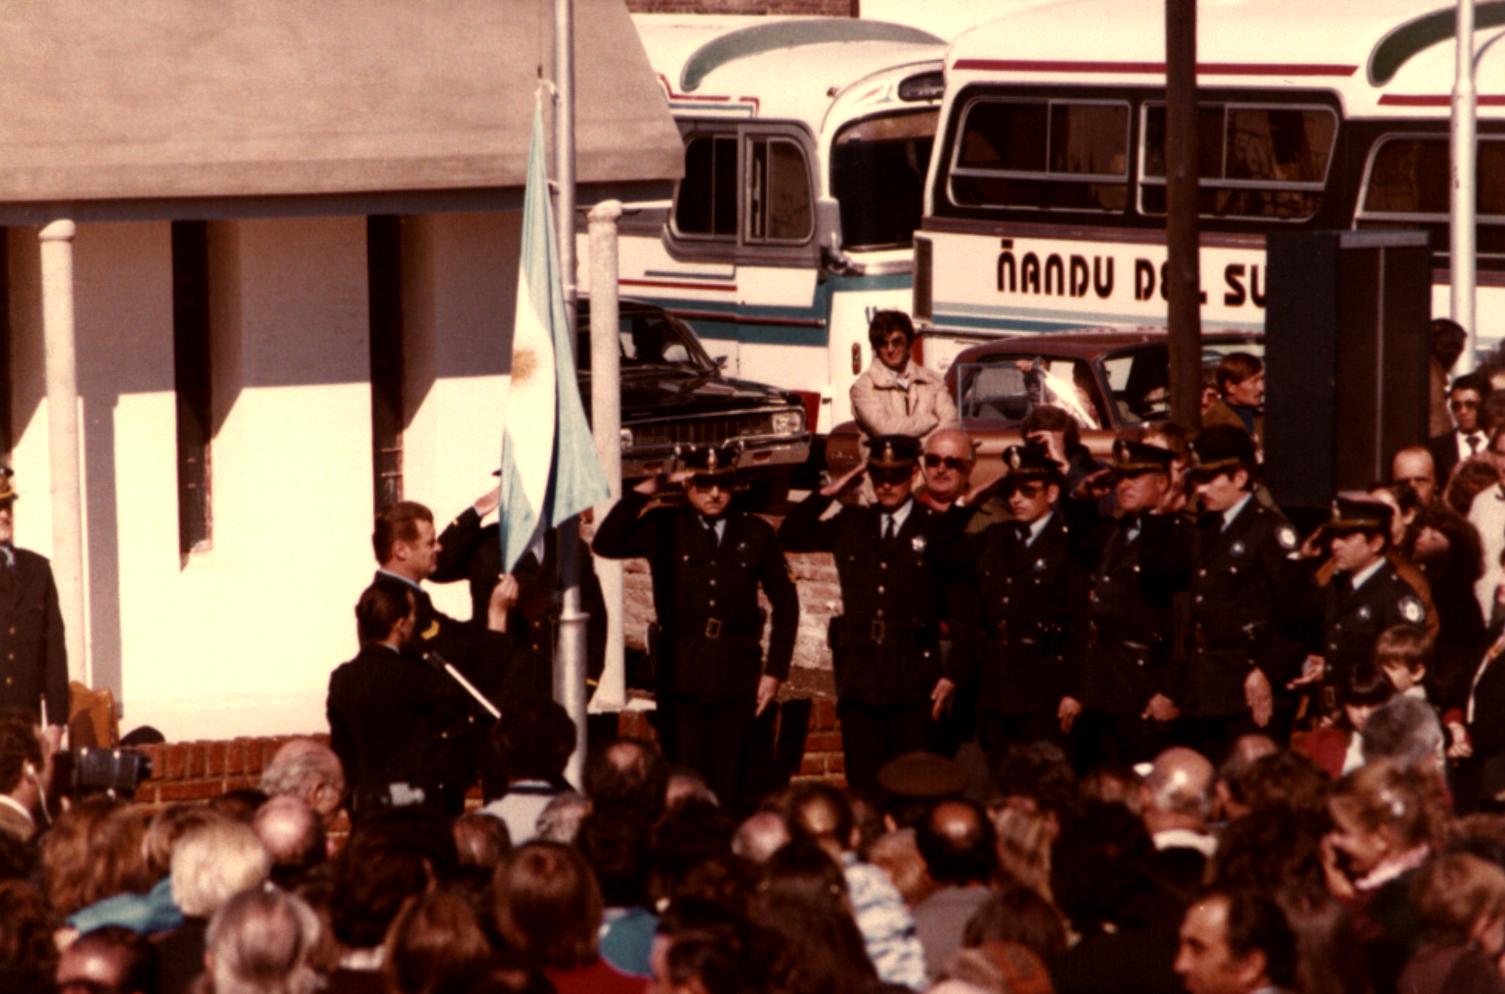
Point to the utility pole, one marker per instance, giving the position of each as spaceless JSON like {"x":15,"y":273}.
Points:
{"x":1184,"y":314}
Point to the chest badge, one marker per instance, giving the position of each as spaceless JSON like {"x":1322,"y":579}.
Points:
{"x":1410,"y":609}
{"x":917,"y":543}
{"x":1286,"y":536}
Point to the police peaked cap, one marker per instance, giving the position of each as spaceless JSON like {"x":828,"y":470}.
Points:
{"x":892,"y":451}
{"x":1027,"y":462}
{"x":1357,"y":512}
{"x":1221,"y":449}
{"x":710,"y":460}
{"x":1131,"y":457}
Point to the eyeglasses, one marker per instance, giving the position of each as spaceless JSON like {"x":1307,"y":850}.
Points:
{"x":1458,"y":403}
{"x":895,"y":342}
{"x":890,"y":477}
{"x":954,"y":463}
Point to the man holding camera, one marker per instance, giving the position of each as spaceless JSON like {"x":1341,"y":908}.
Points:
{"x":708,"y":562}
{"x":33,"y":657}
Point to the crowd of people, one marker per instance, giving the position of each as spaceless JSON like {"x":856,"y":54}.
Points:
{"x":1109,"y":723}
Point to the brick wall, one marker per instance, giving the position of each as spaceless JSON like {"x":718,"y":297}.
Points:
{"x":194,"y":771}
{"x":828,"y":8}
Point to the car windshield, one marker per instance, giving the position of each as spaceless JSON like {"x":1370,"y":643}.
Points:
{"x":1009,"y":387}
{"x":1139,"y":378}
{"x":878,"y":176}
{"x":650,"y":339}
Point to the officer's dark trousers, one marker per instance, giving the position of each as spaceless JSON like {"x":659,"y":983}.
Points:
{"x":873,"y":734}
{"x":1118,"y":740}
{"x":709,"y":738}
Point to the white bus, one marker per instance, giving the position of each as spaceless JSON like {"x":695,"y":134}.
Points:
{"x":807,"y":141}
{"x":1045,"y":201}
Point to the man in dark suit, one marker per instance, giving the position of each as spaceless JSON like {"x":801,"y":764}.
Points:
{"x":471,"y":551}
{"x":388,"y":710}
{"x":1026,"y":597}
{"x":708,"y":562}
{"x":890,"y":681}
{"x":1466,"y":402}
{"x":33,"y":656}
{"x":407,"y":551}
{"x":1247,"y":586}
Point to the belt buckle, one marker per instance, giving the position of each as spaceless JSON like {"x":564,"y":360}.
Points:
{"x":878,"y":630}
{"x":713,"y":628}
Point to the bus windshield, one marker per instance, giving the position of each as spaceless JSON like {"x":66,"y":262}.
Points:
{"x":878,"y":176}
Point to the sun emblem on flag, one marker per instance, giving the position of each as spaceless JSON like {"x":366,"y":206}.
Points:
{"x":524,"y":364}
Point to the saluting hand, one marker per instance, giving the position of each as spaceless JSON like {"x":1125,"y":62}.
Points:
{"x":1067,"y":713}
{"x":842,"y":482}
{"x":1312,"y":670}
{"x":489,"y":501}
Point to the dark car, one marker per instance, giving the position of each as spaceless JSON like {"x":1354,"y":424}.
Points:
{"x":1108,"y":379}
{"x":673,"y":393}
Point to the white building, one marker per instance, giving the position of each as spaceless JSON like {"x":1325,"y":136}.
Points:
{"x":292,"y":277}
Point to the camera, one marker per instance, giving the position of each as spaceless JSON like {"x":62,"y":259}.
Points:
{"x":114,"y":771}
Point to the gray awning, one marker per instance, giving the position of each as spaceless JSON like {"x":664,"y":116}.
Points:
{"x":110,"y":103}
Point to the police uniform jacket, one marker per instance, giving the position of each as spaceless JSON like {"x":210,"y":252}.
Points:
{"x":33,"y":657}
{"x":1029,"y":600}
{"x":886,"y":645}
{"x":1127,"y":654}
{"x":468,"y":551}
{"x":482,"y":655}
{"x":1354,"y":619}
{"x":1245,"y":594}
{"x":386,"y":711}
{"x":705,"y":592}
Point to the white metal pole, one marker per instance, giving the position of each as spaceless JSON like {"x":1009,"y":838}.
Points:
{"x":606,"y":425}
{"x":569,"y":669}
{"x":1464,"y":146}
{"x":63,"y":442}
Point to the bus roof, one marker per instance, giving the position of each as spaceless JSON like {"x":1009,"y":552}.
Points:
{"x":787,"y":68}
{"x":1382,"y":58}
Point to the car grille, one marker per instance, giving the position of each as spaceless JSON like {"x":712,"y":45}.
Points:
{"x":700,"y":430}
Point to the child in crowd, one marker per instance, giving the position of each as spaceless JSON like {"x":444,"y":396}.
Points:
{"x":1404,"y":653}
{"x":1336,"y":748}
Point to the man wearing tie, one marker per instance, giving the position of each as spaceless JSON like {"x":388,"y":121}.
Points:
{"x":1466,"y":402}
{"x":1027,"y":597}
{"x":33,"y":658}
{"x":890,"y":679}
{"x":708,"y":562}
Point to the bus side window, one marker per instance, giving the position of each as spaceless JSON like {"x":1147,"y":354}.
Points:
{"x":705,"y":205}
{"x":779,"y":203}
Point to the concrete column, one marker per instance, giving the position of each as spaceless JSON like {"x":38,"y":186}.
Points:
{"x":63,"y":439}
{"x":606,"y":426}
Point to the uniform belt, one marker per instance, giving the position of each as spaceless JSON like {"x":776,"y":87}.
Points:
{"x":880,"y":630}
{"x":719,"y":628}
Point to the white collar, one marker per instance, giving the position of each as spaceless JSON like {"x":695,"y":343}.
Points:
{"x":1233,"y":512}
{"x":1185,"y":838}
{"x":899,"y":514}
{"x":1038,"y":526}
{"x":10,"y":802}
{"x":1393,"y":867}
{"x":1358,"y":579}
{"x":398,"y":577}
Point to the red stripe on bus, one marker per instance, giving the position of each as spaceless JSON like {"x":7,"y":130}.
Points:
{"x":1437,"y":100}
{"x":672,"y":284}
{"x":1157,"y":68}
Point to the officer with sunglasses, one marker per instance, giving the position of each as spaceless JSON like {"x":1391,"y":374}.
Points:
{"x":891,"y":682}
{"x":1027,"y":594}
{"x":708,"y":561}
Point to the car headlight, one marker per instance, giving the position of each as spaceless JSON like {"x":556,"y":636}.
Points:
{"x":626,"y":434}
{"x":788,"y":422}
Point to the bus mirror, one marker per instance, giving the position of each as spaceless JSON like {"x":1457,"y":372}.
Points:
{"x":828,"y":223}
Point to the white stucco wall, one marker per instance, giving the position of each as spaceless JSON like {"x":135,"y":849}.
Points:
{"x":240,"y":638}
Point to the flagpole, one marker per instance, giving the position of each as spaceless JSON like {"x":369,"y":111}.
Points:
{"x":569,"y":667}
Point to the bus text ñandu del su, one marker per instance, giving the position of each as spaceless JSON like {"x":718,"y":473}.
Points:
{"x":806,"y":146}
{"x":1045,"y":202}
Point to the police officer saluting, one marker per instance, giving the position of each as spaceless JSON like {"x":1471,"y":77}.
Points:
{"x":1124,"y":678}
{"x":1364,"y":597}
{"x":886,"y":646}
{"x":1247,"y":586}
{"x":707,"y":563}
{"x":1030,"y":595}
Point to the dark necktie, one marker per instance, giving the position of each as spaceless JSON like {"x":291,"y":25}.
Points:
{"x":1473,"y":444}
{"x":1022,"y":530}
{"x":710,"y":527}
{"x":888,"y":528}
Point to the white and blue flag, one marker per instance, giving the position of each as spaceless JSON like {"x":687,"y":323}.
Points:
{"x":550,"y":471}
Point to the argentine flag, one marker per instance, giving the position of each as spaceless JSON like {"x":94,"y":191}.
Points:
{"x":550,"y":471}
